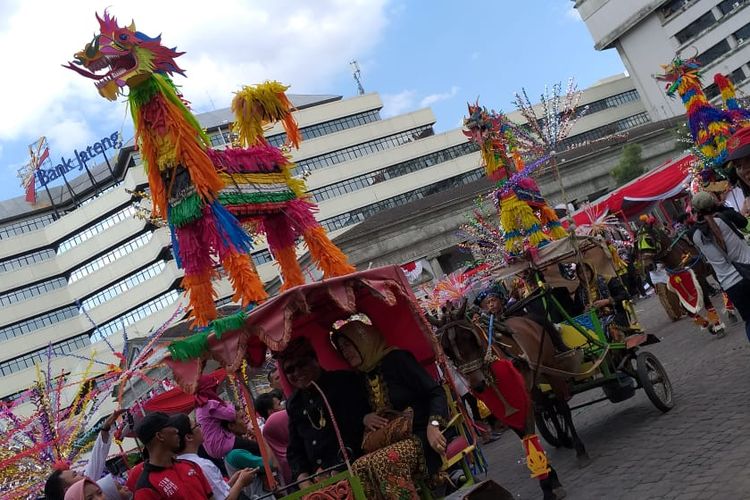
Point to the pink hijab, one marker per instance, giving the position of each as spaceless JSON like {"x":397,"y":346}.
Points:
{"x":276,"y":434}
{"x":75,"y":492}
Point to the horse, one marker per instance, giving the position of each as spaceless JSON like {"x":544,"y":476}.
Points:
{"x":688,"y":272}
{"x":499,"y":376}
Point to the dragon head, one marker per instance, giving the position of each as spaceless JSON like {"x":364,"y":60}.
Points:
{"x":680,"y":73}
{"x":126,"y":56}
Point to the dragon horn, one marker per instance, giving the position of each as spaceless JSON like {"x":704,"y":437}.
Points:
{"x":132,"y":26}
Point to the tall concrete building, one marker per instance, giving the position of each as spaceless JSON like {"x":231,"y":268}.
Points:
{"x":648,"y":33}
{"x":90,"y":253}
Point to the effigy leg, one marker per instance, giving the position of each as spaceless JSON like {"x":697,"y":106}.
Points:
{"x":281,"y":241}
{"x":244,"y":278}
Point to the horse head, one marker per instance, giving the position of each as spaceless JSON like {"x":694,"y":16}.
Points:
{"x":464,"y":342}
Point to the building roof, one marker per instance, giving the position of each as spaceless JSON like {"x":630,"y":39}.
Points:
{"x":17,"y":208}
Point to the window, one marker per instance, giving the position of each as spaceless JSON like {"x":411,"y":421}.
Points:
{"x":32,"y":291}
{"x":711,"y":91}
{"x":715,"y":52}
{"x":728,"y":6}
{"x":97,"y":228}
{"x":110,"y":257}
{"x":691,"y":30}
{"x":360,"y":214}
{"x":672,"y":7}
{"x":384,"y":174}
{"x":603,"y":131}
{"x":30,"y":359}
{"x":135,"y":315}
{"x":738,"y":75}
{"x":608,"y":102}
{"x":742,"y":34}
{"x":26,"y":226}
{"x":261,"y":257}
{"x":359,"y":150}
{"x":37,"y":322}
{"x":124,"y":285}
{"x":27,"y":260}
{"x":329,"y":127}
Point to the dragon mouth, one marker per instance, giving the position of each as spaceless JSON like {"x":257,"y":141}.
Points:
{"x":116,"y":66}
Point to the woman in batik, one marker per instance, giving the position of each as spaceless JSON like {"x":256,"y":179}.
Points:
{"x":395,"y":381}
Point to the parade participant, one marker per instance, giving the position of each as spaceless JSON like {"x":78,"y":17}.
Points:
{"x":63,"y":478}
{"x":719,"y":239}
{"x":191,"y":439}
{"x":85,"y":489}
{"x":163,"y":476}
{"x":274,"y":379}
{"x":223,"y":427}
{"x":267,"y":404}
{"x":313,"y":445}
{"x":605,"y":296}
{"x":276,"y":435}
{"x":396,"y":383}
{"x":669,"y":300}
{"x":738,"y":149}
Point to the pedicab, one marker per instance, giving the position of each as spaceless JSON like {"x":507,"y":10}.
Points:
{"x":616,"y":364}
{"x":383,"y":295}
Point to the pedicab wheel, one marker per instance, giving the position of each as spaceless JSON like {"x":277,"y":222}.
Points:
{"x":552,"y":426}
{"x":654,"y":380}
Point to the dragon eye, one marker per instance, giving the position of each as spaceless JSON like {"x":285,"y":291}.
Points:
{"x":123,"y":37}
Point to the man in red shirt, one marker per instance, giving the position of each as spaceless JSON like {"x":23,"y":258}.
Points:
{"x":163,"y":476}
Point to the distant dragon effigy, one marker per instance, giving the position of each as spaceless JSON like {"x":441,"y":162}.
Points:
{"x":207,"y":195}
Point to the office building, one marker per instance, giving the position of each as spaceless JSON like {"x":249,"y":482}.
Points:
{"x":649,"y":33}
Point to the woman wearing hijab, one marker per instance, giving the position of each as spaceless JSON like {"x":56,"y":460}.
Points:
{"x":221,"y":424}
{"x":605,"y":296}
{"x":276,"y":434}
{"x":395,"y":382}
{"x":85,"y":490}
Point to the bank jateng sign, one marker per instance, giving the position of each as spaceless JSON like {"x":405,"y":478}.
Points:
{"x":47,"y":175}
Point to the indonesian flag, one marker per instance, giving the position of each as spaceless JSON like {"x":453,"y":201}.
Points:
{"x":686,"y":286}
{"x":412,"y":270}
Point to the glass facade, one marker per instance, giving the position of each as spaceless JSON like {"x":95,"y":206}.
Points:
{"x":715,"y":52}
{"x":26,"y":226}
{"x":261,"y":257}
{"x":671,"y":7}
{"x":110,"y":257}
{"x":603,"y":131}
{"x":97,"y":228}
{"x":742,"y":34}
{"x":143,"y":311}
{"x":124,"y":285}
{"x":608,"y":102}
{"x":727,"y":6}
{"x":360,"y":214}
{"x":329,"y":127}
{"x":366,"y":148}
{"x":28,"y":292}
{"x":37,"y":322}
{"x":30,"y":359}
{"x":691,"y":30}
{"x":27,"y":260}
{"x":384,"y":174}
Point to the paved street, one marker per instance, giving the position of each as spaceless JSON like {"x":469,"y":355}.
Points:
{"x":701,"y":449}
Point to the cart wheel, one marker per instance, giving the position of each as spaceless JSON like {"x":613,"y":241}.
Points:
{"x":654,"y":380}
{"x":552,"y":426}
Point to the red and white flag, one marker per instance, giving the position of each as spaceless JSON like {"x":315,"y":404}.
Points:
{"x":38,"y":153}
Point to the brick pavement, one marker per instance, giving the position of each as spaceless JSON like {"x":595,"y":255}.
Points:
{"x":700,"y":449}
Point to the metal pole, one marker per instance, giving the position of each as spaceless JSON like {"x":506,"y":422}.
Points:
{"x":91,"y":176}
{"x":111,"y":172}
{"x":52,"y":201}
{"x":72,"y":193}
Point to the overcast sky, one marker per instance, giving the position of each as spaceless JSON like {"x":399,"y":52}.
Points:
{"x":414,"y":53}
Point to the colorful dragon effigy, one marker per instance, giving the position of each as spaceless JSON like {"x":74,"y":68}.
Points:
{"x":206,"y":195}
{"x":527,"y":220}
{"x":710,"y":127}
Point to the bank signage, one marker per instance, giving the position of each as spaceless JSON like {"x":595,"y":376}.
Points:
{"x":79,"y":159}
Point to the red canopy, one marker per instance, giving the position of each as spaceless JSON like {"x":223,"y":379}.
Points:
{"x":176,"y":400}
{"x":663,"y":182}
{"x":383,"y":294}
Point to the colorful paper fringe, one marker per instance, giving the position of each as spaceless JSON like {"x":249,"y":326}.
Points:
{"x":259,"y":105}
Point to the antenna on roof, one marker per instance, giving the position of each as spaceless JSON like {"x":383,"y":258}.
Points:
{"x":357,"y":74}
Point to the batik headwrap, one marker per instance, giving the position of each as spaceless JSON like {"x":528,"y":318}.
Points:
{"x":368,"y":340}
